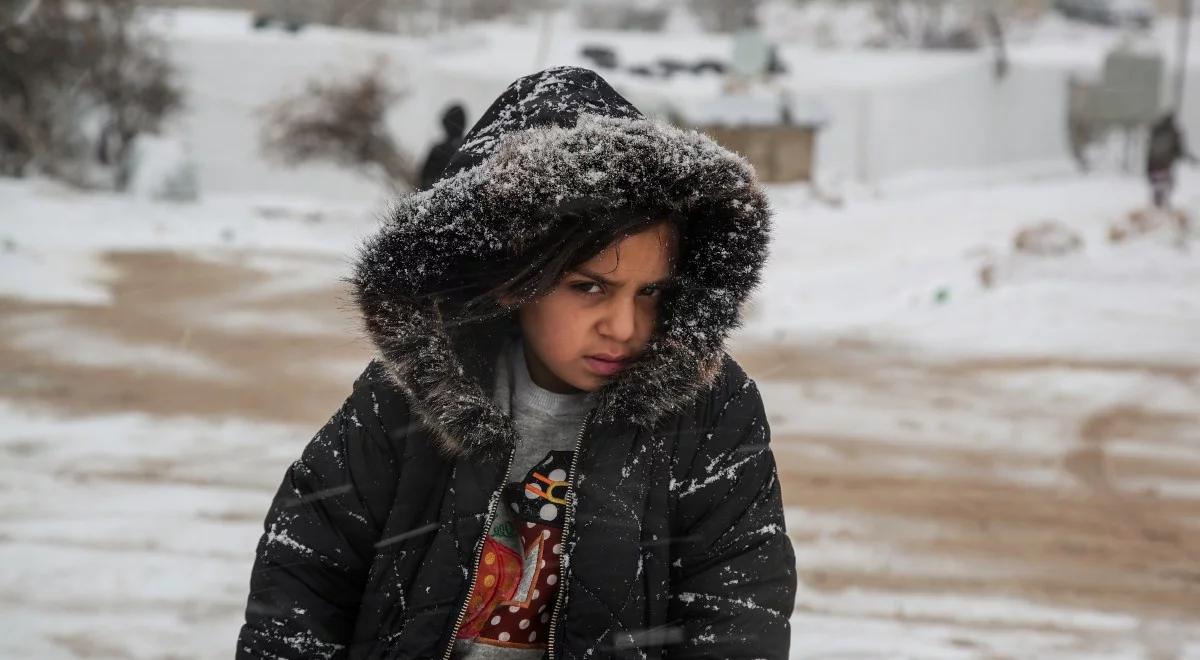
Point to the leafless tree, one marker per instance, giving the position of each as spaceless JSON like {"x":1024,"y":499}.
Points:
{"x":725,"y":16}
{"x":66,"y":67}
{"x":342,"y":122}
{"x":929,"y":23}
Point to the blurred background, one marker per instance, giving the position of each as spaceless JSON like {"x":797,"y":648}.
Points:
{"x":978,"y":336}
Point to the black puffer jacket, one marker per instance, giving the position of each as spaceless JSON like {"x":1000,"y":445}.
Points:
{"x":675,"y":540}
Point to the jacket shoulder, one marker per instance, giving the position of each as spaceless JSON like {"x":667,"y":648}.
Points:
{"x":732,"y":377}
{"x":377,"y":397}
{"x":721,"y":416}
{"x":731,"y":386}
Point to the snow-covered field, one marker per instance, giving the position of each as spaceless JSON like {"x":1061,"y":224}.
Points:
{"x":971,"y":470}
{"x":893,"y":117}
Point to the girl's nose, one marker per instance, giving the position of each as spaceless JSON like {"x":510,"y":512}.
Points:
{"x":620,"y":320}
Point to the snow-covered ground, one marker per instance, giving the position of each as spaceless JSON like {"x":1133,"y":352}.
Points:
{"x":874,"y":271}
{"x":130,"y":533}
{"x":971,"y":470}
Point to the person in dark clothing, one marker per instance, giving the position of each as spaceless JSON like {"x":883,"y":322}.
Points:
{"x":552,"y":455}
{"x":1166,"y":146}
{"x":454,"y":122}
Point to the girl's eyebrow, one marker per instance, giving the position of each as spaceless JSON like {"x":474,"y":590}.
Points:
{"x":664,"y":282}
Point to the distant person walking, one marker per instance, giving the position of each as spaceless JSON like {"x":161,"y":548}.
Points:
{"x":1167,"y":145}
{"x":454,"y":122}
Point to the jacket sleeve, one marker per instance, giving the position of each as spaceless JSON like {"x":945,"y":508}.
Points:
{"x":733,"y":576}
{"x":319,"y":534}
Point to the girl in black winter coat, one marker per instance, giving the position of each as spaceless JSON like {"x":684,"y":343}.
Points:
{"x":552,"y":455}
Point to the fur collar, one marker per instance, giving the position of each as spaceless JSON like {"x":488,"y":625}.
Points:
{"x":499,"y":195}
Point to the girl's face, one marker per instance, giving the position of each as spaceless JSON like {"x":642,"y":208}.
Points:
{"x":600,"y":315}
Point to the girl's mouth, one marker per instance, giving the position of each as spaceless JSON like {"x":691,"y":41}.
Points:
{"x":606,"y":366}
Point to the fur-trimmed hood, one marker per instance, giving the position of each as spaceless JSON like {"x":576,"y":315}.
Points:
{"x":558,"y":139}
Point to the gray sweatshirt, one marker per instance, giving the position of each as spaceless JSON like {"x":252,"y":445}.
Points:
{"x":509,"y":611}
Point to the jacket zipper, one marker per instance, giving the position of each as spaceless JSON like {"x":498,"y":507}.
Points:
{"x":474,"y":567}
{"x":564,"y":560}
{"x":560,"y":599}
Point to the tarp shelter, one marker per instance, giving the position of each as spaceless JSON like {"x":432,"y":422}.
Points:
{"x":776,"y":133}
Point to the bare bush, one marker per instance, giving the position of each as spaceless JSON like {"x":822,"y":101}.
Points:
{"x":342,"y":122}
{"x":938,"y":24}
{"x":78,"y":84}
{"x":724,"y":16}
{"x":640,"y":15}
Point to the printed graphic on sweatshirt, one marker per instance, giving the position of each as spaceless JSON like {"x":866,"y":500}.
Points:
{"x":518,"y":570}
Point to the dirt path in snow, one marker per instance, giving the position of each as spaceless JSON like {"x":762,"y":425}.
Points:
{"x":188,"y":335}
{"x":963,"y":480}
{"x":997,"y":480}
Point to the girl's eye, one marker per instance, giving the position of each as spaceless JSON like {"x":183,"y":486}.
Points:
{"x":595,"y":288}
{"x":587,"y":287}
